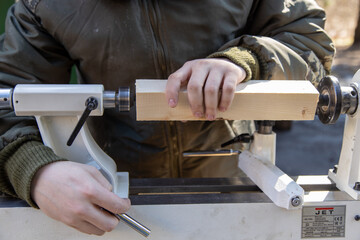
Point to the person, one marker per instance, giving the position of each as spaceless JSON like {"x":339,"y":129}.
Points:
{"x":206,"y":46}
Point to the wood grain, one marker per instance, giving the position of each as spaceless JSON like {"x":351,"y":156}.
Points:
{"x":254,"y":100}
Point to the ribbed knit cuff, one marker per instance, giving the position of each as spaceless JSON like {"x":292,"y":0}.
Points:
{"x":243,"y":58}
{"x":22,"y":165}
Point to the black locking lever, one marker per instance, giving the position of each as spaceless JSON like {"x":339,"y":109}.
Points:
{"x":91,"y":104}
{"x":244,"y":138}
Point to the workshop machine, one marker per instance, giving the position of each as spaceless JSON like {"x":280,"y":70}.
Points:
{"x":268,"y":204}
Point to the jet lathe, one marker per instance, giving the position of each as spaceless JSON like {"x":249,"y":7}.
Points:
{"x":268,"y":204}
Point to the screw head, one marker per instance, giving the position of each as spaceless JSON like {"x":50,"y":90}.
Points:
{"x":357,"y":186}
{"x":357,"y":218}
{"x":335,"y":169}
{"x":296,"y":201}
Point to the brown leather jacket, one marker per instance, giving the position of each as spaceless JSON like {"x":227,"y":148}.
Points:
{"x":114,"y":42}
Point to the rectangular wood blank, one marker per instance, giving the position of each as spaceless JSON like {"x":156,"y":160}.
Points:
{"x":254,"y":100}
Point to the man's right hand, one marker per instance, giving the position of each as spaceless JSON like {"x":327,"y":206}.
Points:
{"x":75,"y":194}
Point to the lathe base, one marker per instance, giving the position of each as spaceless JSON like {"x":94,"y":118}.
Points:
{"x":183,"y":214}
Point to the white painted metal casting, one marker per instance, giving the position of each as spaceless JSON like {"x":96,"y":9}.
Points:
{"x":348,"y":169}
{"x":259,"y":166}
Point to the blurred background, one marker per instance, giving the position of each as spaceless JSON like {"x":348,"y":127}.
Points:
{"x":309,"y":147}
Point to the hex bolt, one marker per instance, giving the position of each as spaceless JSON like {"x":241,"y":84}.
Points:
{"x":357,"y":186}
{"x":296,"y":201}
{"x":357,"y":218}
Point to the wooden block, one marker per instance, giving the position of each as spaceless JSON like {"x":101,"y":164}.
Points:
{"x":254,"y":100}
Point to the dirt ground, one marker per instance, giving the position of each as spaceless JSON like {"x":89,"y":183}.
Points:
{"x":311,"y":147}
{"x":340,"y":25}
{"x":341,"y":20}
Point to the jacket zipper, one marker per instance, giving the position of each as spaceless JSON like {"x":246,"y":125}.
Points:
{"x":160,"y":50}
{"x":174,"y":150}
{"x":154,"y":14}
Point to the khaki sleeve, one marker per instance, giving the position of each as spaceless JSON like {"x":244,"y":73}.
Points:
{"x":288,"y":39}
{"x":28,"y":54}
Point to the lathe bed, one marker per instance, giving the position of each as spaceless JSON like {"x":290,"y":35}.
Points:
{"x":208,"y":208}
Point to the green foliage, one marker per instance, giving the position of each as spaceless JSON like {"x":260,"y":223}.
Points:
{"x":73,"y":78}
{"x":4,"y":6}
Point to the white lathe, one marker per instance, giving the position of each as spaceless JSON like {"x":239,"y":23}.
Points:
{"x":267,"y":205}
